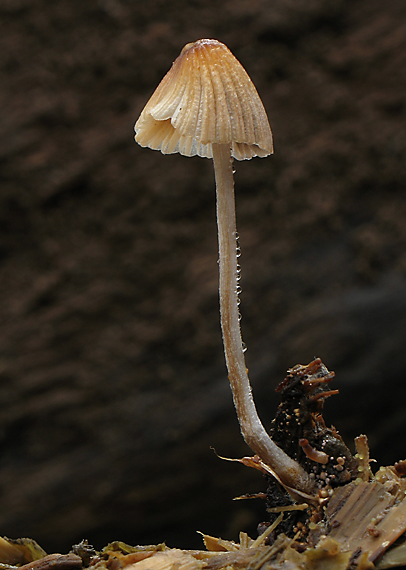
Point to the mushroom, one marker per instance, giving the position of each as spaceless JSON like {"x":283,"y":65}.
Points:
{"x":207,"y":105}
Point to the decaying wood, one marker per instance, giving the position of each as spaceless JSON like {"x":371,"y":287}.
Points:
{"x":362,"y":514}
{"x":55,"y":562}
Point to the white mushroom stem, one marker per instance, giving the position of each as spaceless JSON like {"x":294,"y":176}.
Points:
{"x":289,"y":471}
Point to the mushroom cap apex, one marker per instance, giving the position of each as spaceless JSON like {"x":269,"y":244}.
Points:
{"x":205,"y":98}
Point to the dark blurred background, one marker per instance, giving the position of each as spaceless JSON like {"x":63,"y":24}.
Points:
{"x":112,"y":378}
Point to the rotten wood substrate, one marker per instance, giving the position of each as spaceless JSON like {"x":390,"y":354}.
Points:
{"x":352,"y":519}
{"x":299,"y":429}
{"x":364,"y":514}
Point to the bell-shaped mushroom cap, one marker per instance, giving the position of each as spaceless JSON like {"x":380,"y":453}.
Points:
{"x":206,"y":97}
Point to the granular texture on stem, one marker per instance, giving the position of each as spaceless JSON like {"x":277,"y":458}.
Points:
{"x":289,"y":472}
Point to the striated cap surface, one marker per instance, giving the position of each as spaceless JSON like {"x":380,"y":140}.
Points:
{"x":206,"y":97}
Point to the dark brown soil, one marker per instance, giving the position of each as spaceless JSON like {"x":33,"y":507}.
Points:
{"x":112,"y":377}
